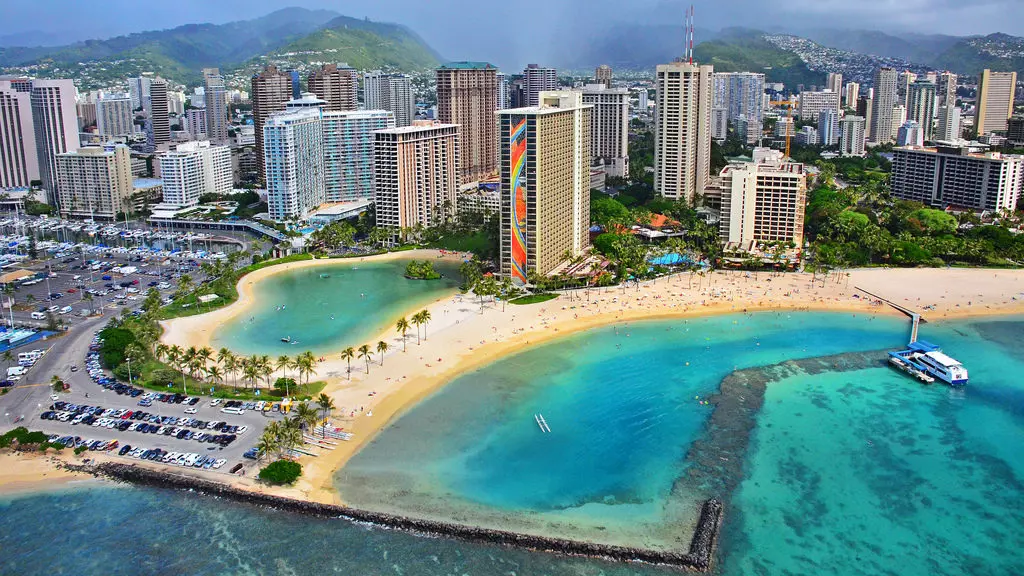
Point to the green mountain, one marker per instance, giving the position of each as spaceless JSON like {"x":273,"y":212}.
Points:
{"x":920,"y":48}
{"x":743,"y":50}
{"x":180,"y":53}
{"x":361,"y":44}
{"x":999,"y":52}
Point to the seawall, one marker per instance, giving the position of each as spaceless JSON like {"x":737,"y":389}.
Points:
{"x":697,"y":559}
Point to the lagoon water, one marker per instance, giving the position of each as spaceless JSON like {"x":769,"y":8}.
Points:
{"x":860,"y":472}
{"x":355,"y":302}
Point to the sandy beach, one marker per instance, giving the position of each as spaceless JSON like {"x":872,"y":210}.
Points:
{"x":30,"y":472}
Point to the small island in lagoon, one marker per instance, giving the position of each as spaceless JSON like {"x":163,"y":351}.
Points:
{"x":421,"y":270}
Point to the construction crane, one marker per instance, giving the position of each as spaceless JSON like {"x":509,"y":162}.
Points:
{"x":790,"y":104}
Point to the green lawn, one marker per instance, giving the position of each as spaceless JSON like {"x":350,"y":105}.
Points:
{"x":475,"y":243}
{"x":534,"y":298}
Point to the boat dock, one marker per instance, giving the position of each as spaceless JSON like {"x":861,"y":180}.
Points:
{"x":915,"y":318}
{"x":539,"y":418}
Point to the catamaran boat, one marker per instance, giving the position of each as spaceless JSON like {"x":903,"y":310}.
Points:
{"x":927,"y":358}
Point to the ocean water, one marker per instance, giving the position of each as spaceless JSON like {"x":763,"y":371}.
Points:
{"x":859,"y":472}
{"x":355,"y":303}
{"x":624,"y":404}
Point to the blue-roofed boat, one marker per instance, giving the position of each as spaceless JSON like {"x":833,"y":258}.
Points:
{"x":926,"y":361}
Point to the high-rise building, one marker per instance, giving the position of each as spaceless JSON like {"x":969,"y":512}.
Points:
{"x":954,"y":176}
{"x":95,"y":181}
{"x":865,"y":109}
{"x":159,"y":121}
{"x":682,"y":134}
{"x":740,"y":94}
{"x":138,"y":90}
{"x":899,"y":116}
{"x":880,"y":127}
{"x":949,"y":124}
{"x":348,"y":148}
{"x":467,"y":95}
{"x":808,"y":136}
{"x":852,"y":131}
{"x":114,"y":116}
{"x":545,"y":184}
{"x":719,"y":124}
{"x":1014,"y":128}
{"x":56,"y":129}
{"x":828,"y":127}
{"x":337,"y":85}
{"x":390,"y":92}
{"x":835,"y":82}
{"x":503,"y":93}
{"x":603,"y":75}
{"x":271,"y":88}
{"x":86,"y":114}
{"x":609,"y":128}
{"x":903,"y":82}
{"x":294,"y":160}
{"x":194,"y":169}
{"x":921,"y":106}
{"x":851,"y":95}
{"x":764,"y":200}
{"x":812,"y":103}
{"x":195,"y":121}
{"x":416,"y":174}
{"x":910,"y":134}
{"x":945,"y":94}
{"x":996,"y":91}
{"x":176,"y":103}
{"x":215,"y":96}
{"x":19,"y":164}
{"x":536,"y":80}
{"x":642,"y":99}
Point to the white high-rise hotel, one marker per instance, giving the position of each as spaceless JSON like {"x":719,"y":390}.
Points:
{"x":682,"y":137}
{"x":609,"y":128}
{"x":194,"y":169}
{"x":294,"y":159}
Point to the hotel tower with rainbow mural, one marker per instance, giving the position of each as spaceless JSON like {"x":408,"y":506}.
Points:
{"x":545,"y":184}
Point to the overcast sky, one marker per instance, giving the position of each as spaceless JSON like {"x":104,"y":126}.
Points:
{"x":522,"y":30}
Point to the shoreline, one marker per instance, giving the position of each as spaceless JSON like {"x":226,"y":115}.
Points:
{"x":198,"y":330}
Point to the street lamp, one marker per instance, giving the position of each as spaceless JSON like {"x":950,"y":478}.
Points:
{"x":129,"y":358}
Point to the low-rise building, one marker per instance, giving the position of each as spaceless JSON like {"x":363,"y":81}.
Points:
{"x":95,"y":181}
{"x":955,"y":176}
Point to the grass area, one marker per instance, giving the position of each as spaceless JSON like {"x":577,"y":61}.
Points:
{"x":476,"y":243}
{"x":224,"y":287}
{"x":534,"y":298}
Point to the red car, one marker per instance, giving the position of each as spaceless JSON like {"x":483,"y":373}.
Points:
{"x":71,"y":290}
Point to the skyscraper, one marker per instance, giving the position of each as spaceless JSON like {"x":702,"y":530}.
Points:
{"x":949,"y":124}
{"x":348,"y":152}
{"x":19,"y":164}
{"x":812,"y":103}
{"x":603,"y":75}
{"x":545,"y":184}
{"x":682,"y":136}
{"x":467,"y":95}
{"x":609,"y":128}
{"x":95,"y":181}
{"x":293,"y":147}
{"x":852,"y":135}
{"x":56,"y":129}
{"x":159,"y":123}
{"x":195,"y":120}
{"x":337,"y":85}
{"x":910,"y":134}
{"x":536,"y":80}
{"x":903,"y":82}
{"x":138,"y":90}
{"x":503,"y":92}
{"x":945,"y":94}
{"x":851,"y":94}
{"x":741,"y":94}
{"x":194,"y":169}
{"x":215,"y":96}
{"x":114,"y":116}
{"x":996,"y":91}
{"x":416,"y":174}
{"x":921,"y":106}
{"x":834,"y":82}
{"x":271,"y":88}
{"x":881,"y":129}
{"x":828,"y":127}
{"x":390,"y":92}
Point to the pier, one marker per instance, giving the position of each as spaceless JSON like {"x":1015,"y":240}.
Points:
{"x":915,"y":317}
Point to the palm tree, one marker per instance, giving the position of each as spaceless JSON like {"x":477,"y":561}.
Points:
{"x":421,"y":318}
{"x":382,"y":348}
{"x":161,"y":351}
{"x":231,"y":365}
{"x":326,"y":404}
{"x":266,"y":368}
{"x":306,"y":415}
{"x":8,"y":358}
{"x":284,"y":363}
{"x":205,"y":354}
{"x":215,"y":375}
{"x":402,"y":326}
{"x":364,"y":353}
{"x":268,"y":443}
{"x":417,"y":320}
{"x":347,"y":354}
{"x":250,"y":371}
{"x":174,"y":354}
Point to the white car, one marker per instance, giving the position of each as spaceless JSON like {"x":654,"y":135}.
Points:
{"x":54,"y":397}
{"x":191,"y":411}
{"x":215,"y":402}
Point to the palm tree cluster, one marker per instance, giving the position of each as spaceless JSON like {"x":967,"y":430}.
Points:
{"x":203,"y":364}
{"x":281,"y":437}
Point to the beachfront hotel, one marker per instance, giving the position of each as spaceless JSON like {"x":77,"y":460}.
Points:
{"x":682,"y":130}
{"x":545,"y":184}
{"x":763,"y":200}
{"x":956,"y":176}
{"x":348,"y":152}
{"x":294,"y":158}
{"x":416,"y":174}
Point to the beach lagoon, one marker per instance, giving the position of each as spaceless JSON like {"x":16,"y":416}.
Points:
{"x":327,"y":308}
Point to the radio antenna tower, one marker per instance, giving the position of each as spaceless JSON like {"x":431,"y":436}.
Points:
{"x":691,"y":34}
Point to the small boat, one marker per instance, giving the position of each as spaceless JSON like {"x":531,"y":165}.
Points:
{"x":286,"y":339}
{"x":325,"y":275}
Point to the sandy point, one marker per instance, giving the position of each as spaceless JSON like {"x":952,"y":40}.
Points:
{"x":198,"y":330}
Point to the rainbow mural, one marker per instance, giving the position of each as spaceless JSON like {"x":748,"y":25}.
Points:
{"x":518,"y":232}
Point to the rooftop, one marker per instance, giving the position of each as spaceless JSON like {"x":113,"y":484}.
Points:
{"x":468,"y":65}
{"x":416,"y":127}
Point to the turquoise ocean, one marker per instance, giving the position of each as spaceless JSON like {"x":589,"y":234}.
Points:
{"x":854,"y":471}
